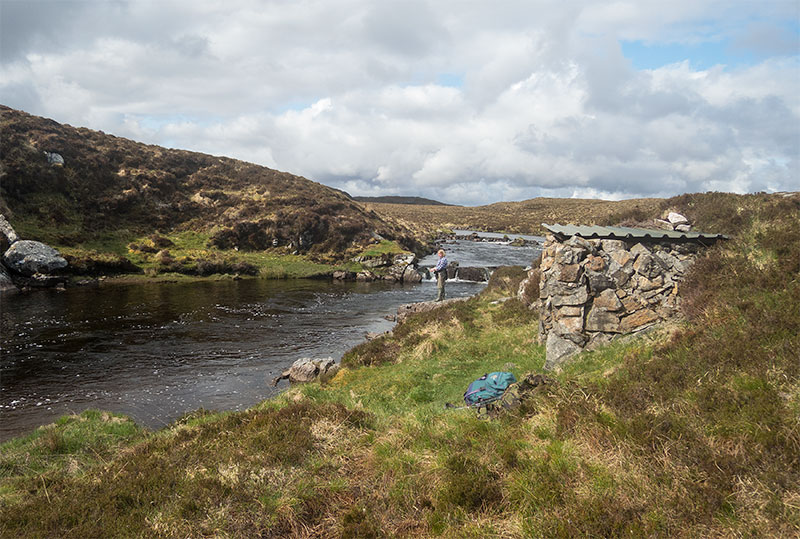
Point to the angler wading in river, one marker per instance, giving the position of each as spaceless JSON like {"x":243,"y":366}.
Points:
{"x":441,"y":274}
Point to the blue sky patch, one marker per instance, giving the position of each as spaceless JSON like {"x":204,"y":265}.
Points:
{"x":700,"y":56}
{"x":450,"y":79}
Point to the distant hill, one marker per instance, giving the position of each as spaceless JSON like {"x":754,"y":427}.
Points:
{"x":523,"y":217}
{"x":401,"y":200}
{"x":111,"y":185}
{"x":710,"y":212}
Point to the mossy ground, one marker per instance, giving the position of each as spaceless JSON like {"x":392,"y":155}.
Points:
{"x":689,"y":431}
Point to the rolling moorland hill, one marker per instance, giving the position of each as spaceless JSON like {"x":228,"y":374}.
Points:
{"x":105,"y":192}
{"x":401,"y":200}
{"x":523,"y":217}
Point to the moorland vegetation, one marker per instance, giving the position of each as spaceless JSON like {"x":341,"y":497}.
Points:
{"x":689,"y":430}
{"x":112,"y":205}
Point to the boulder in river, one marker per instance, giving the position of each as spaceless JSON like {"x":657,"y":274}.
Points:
{"x":411,"y":275}
{"x":306,"y":370}
{"x":28,"y":257}
{"x":473,"y":274}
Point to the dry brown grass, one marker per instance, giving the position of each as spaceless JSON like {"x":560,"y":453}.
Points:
{"x":523,"y":217}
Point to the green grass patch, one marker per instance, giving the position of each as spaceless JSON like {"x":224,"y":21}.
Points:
{"x":384,"y":247}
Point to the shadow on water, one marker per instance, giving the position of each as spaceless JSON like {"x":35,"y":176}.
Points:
{"x":157,"y":351}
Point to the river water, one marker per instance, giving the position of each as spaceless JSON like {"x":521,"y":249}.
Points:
{"x":158,"y":351}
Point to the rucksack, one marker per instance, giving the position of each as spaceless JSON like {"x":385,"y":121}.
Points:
{"x":488,"y":388}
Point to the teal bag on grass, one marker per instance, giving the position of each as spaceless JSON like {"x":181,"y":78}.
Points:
{"x":488,"y":388}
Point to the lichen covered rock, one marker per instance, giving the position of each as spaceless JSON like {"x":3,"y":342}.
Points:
{"x":27,"y":257}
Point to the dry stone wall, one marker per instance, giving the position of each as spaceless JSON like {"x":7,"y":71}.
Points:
{"x":594,"y":290}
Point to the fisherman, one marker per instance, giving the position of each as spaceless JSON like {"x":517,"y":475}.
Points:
{"x":441,"y":274}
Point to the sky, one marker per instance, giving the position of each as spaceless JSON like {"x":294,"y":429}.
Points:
{"x":467,"y":102}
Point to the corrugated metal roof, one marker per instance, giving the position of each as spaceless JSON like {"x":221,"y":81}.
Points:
{"x":627,"y":233}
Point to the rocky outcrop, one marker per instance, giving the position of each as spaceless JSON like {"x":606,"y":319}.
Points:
{"x":306,"y":370}
{"x":28,"y":257}
{"x":593,"y":290}
{"x":399,"y":268}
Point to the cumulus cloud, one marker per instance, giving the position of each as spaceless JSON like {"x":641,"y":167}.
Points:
{"x":465,"y":102}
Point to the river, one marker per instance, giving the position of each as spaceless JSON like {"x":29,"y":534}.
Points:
{"x":157,"y":351}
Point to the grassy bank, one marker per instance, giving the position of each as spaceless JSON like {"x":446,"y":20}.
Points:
{"x":688,"y":431}
{"x":188,"y":255}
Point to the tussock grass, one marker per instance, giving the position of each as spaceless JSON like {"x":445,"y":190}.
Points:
{"x":690,"y":430}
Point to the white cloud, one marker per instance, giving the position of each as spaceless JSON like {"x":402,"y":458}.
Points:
{"x":347,"y":92}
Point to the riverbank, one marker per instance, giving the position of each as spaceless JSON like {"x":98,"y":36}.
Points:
{"x":690,"y":431}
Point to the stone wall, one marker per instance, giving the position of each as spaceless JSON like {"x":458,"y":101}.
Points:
{"x":594,"y":290}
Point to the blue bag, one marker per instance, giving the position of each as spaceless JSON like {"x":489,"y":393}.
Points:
{"x":488,"y":388}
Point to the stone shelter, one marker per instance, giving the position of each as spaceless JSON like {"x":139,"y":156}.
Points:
{"x":600,"y":282}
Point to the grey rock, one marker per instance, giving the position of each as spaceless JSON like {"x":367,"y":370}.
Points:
{"x":377,"y":262}
{"x":602,"y":320}
{"x":28,"y":257}
{"x":552,"y":286}
{"x":54,"y":158}
{"x":613,"y":245}
{"x":645,"y":285}
{"x":576,"y":242}
{"x":649,"y":266}
{"x":622,"y":258}
{"x":598,"y":282}
{"x":452,"y":269}
{"x":607,"y":301}
{"x":569,"y":310}
{"x":577,"y":296}
{"x":639,"y":249}
{"x":567,"y":255}
{"x":665,"y":225}
{"x":6,"y":284}
{"x":677,"y":219}
{"x":558,"y":350}
{"x":7,"y":234}
{"x":411,"y":275}
{"x":668,"y":260}
{"x":408,"y":309}
{"x":473,"y":274}
{"x":306,"y":370}
{"x":620,"y":277}
{"x":683,"y":265}
{"x":570,"y":273}
{"x":683,"y":228}
{"x":568,"y":325}
{"x":405,"y":259}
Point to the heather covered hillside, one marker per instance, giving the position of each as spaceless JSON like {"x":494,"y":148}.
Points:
{"x":95,"y":193}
